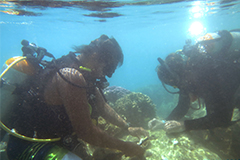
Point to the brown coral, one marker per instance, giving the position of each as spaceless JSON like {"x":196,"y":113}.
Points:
{"x":136,"y":108}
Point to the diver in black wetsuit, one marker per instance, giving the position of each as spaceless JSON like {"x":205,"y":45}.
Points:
{"x":210,"y":70}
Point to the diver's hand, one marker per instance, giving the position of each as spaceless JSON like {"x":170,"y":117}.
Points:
{"x":138,"y":132}
{"x":132,"y":149}
{"x":156,"y":124}
{"x":174,"y":126}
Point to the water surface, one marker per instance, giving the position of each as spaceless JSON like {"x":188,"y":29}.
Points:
{"x":144,"y":29}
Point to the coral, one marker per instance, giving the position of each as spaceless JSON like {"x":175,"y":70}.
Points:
{"x":179,"y":147}
{"x":162,"y":146}
{"x":113,"y":93}
{"x":136,"y":108}
{"x":164,"y":101}
{"x":108,"y":127}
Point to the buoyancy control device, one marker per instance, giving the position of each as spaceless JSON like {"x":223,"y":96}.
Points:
{"x":222,"y":41}
{"x":14,"y":73}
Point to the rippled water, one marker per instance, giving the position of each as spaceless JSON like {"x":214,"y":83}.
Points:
{"x":144,"y":29}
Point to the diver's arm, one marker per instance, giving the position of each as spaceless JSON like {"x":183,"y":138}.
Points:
{"x":108,"y":113}
{"x":76,"y":104}
{"x":221,"y":117}
{"x":182,"y":107}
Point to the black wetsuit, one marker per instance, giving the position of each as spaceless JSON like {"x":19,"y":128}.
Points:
{"x":215,"y":79}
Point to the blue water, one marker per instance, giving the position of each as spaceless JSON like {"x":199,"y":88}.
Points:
{"x":144,"y":32}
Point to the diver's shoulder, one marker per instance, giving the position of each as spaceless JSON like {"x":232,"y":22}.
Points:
{"x":71,"y":74}
{"x":71,"y":71}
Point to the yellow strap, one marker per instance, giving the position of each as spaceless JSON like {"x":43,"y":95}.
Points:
{"x":26,"y":138}
{"x":85,"y":68}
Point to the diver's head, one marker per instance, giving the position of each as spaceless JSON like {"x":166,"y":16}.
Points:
{"x":170,"y":70}
{"x":108,"y":51}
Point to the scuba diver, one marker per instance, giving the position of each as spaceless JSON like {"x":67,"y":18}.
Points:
{"x":58,"y":104}
{"x":209,"y":70}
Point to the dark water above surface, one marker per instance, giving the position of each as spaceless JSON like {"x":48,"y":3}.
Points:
{"x":144,"y":29}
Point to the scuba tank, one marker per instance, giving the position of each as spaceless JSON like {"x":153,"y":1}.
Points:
{"x":14,"y":73}
{"x":222,"y":41}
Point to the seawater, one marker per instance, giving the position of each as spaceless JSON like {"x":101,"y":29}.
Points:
{"x":145,"y":30}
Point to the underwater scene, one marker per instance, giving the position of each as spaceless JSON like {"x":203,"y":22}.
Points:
{"x":120,"y":80}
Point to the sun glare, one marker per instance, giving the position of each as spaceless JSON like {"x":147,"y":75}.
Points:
{"x":196,"y":29}
{"x":197,"y":14}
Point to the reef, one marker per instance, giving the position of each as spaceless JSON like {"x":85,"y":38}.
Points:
{"x":218,"y":143}
{"x":109,"y":128}
{"x":162,"y":146}
{"x":179,"y":146}
{"x":164,"y":101}
{"x":113,"y":93}
{"x":136,"y":108}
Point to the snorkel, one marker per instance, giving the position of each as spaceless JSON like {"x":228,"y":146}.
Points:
{"x":168,"y":72}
